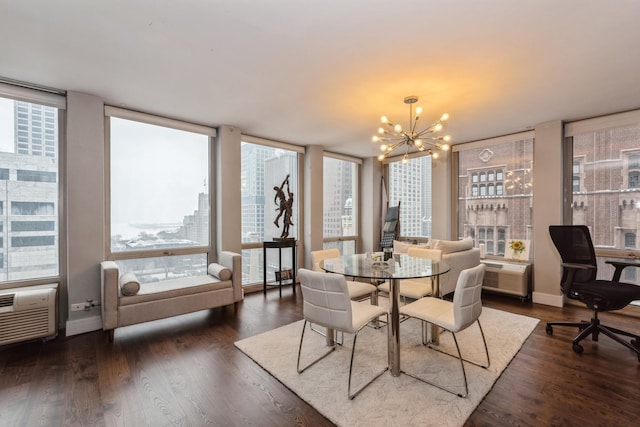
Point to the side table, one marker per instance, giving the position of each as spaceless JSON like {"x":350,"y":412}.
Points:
{"x":279,"y":244}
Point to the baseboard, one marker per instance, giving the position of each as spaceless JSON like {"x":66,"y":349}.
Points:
{"x":84,"y":325}
{"x":547,"y":299}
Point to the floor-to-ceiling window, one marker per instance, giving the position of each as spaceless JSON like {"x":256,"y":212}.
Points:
{"x":266,"y":167}
{"x":603,"y":186}
{"x":495,"y":191}
{"x":159,"y":195}
{"x":30,"y":187}
{"x":410,"y":186}
{"x":340,"y":183}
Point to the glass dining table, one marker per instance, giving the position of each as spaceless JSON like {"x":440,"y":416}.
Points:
{"x":400,"y":266}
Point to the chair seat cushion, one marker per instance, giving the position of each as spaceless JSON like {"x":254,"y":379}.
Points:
{"x":604,"y":294}
{"x":363,"y":313}
{"x":432,"y":310}
{"x":359,"y":289}
{"x":411,"y":288}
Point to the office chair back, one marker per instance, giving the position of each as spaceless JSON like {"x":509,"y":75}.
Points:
{"x":326,"y":300}
{"x":574,"y":245}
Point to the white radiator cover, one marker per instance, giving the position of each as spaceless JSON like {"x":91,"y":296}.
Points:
{"x":27,"y":313}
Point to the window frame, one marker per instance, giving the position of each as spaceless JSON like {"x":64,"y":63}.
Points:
{"x":299,"y":197}
{"x":597,"y":124}
{"x":387,"y":177}
{"x":355,"y":238}
{"x":209,"y":250}
{"x":498,"y":173}
{"x":56,"y":99}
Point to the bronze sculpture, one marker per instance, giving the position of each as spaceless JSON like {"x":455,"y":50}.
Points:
{"x":284,"y":201}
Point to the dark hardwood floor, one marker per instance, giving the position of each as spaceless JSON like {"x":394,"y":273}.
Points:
{"x":186,"y":371}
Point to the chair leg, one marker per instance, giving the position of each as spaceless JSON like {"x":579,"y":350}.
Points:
{"x":610,"y":333}
{"x":339,"y":342}
{"x":459,"y":356}
{"x":353,"y":349}
{"x":464,"y":373}
{"x":301,"y":370}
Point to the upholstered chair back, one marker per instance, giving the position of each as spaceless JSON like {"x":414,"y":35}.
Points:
{"x":326,"y":300}
{"x":418,"y":252}
{"x":467,"y":304}
{"x":318,"y":256}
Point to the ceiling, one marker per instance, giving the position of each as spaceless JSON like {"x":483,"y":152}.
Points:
{"x":323,"y":72}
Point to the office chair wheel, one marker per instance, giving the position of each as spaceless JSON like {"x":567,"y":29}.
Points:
{"x":578,"y":348}
{"x":549,"y":329}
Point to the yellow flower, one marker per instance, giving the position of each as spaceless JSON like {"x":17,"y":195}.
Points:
{"x":517,"y":245}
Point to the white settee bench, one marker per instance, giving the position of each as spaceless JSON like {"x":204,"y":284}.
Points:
{"x":127,"y":302}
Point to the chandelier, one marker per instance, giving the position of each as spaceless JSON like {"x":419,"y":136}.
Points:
{"x":391,"y":136}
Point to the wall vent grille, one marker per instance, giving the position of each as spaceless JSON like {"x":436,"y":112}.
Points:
{"x":27,"y":314}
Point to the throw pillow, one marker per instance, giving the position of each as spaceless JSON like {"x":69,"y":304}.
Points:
{"x":129,"y":284}
{"x":219,"y":271}
{"x":449,"y":246}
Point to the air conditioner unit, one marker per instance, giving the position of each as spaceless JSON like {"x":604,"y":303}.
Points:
{"x":27,"y":313}
{"x":512,"y":278}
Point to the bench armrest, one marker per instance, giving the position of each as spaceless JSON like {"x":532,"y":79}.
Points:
{"x":109,"y":276}
{"x":233,"y":261}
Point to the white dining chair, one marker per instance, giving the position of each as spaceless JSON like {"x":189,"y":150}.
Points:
{"x":326,"y":302}
{"x":416,"y":288}
{"x":453,"y":316}
{"x":357,"y":290}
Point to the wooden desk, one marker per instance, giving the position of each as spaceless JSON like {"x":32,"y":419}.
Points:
{"x":279,"y":244}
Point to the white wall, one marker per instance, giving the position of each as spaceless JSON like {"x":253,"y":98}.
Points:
{"x":86,"y":195}
{"x":85,"y":207}
{"x":547,"y":210}
{"x":228,"y":189}
{"x":313,"y":202}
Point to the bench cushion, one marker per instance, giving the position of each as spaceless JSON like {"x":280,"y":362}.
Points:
{"x":170,"y":288}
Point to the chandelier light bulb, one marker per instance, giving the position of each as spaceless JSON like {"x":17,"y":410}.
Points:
{"x":445,"y":147}
{"x":437,"y":127}
{"x":397,"y":129}
{"x":435,"y":155}
{"x":418,"y":111}
{"x":375,"y":138}
{"x":381,"y":157}
{"x":405,"y":158}
{"x":381,"y":130}
{"x":447,"y":138}
{"x":383,"y":147}
{"x":444,"y":117}
{"x":418,"y":143}
{"x":384,"y":119}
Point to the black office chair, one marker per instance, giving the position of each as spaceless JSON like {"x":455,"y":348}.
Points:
{"x":579,"y":282}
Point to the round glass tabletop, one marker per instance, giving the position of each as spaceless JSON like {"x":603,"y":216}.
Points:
{"x":401,"y":266}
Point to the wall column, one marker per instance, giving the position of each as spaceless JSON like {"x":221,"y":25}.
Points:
{"x":313,"y":202}
{"x":547,"y":210}
{"x":228,"y":190}
{"x":85,"y":208}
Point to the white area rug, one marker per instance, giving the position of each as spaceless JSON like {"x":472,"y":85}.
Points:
{"x":392,"y":401}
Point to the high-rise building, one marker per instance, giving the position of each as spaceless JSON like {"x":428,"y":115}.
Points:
{"x":29,"y":195}
{"x":36,"y":129}
{"x":410,"y":185}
